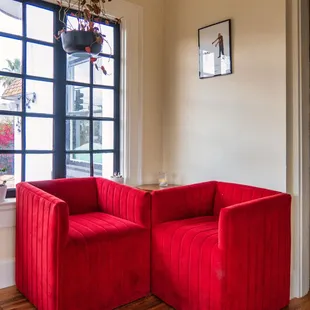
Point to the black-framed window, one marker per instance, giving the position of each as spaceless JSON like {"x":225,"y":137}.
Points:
{"x":59,"y":116}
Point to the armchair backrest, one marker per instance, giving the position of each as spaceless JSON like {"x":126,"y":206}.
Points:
{"x":124,"y":202}
{"x":79,"y":193}
{"x":183,"y":202}
{"x":228,"y":194}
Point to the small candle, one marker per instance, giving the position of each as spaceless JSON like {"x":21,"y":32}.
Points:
{"x":162,"y":179}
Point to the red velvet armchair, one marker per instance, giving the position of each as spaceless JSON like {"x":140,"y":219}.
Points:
{"x":82,"y":244}
{"x":221,"y":246}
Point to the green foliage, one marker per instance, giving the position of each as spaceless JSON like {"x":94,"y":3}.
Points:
{"x":12,"y":67}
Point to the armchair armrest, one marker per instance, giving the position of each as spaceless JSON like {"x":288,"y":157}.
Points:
{"x":254,"y":239}
{"x":41,"y":234}
{"x":183,"y":202}
{"x":124,"y":202}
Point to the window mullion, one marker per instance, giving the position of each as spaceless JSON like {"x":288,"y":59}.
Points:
{"x":23,"y":117}
{"x":60,"y":61}
{"x":117,"y":98}
{"x":91,"y":123}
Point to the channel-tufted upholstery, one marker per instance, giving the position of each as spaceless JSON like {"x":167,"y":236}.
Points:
{"x":87,"y":244}
{"x":82,"y":244}
{"x":218,"y":246}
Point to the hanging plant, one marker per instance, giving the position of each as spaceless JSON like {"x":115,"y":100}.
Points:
{"x":86,"y":39}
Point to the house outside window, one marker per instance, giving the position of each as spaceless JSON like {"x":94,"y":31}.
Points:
{"x":59,"y":116}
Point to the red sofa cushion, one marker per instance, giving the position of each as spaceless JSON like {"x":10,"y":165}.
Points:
{"x":228,"y":194}
{"x":98,"y":226}
{"x":80,"y":193}
{"x":185,"y":258}
{"x":106,"y":258}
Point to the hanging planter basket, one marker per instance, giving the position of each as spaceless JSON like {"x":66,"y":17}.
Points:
{"x":75,"y":42}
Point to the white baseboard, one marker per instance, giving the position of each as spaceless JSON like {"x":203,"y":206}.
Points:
{"x":7,"y":273}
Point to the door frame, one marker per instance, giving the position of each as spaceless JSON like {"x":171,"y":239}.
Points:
{"x":297,"y":31}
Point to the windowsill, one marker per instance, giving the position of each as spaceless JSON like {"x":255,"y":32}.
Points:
{"x":8,"y":204}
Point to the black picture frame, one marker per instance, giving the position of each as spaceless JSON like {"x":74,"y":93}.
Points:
{"x":214,"y":46}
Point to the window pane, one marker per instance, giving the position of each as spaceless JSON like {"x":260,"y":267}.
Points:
{"x":39,"y":167}
{"x":39,"y":133}
{"x":72,"y":22}
{"x":40,"y":24}
{"x":99,"y":77}
{"x":10,"y":132}
{"x":103,"y":102}
{"x":10,"y":93}
{"x":108,"y":31}
{"x":77,"y":100}
{"x":77,"y":165}
{"x":77,"y":135}
{"x":39,"y":97}
{"x":78,"y":69}
{"x":10,"y":55}
{"x":40,"y":60}
{"x":12,"y":164}
{"x":11,"y":20}
{"x":103,"y":135}
{"x":103,"y":165}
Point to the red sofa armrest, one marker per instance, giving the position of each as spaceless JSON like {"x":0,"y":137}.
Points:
{"x":124,"y":202}
{"x":41,"y":234}
{"x":255,"y":239}
{"x":182,"y":202}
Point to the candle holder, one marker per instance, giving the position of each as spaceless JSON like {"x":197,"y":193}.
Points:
{"x":162,"y":179}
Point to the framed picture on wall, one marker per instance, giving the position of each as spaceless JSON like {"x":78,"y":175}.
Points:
{"x":214,"y":43}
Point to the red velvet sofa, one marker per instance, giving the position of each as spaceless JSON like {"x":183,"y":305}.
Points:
{"x":82,"y":244}
{"x":221,"y":246}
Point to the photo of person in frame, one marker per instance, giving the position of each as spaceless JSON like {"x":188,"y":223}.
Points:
{"x":219,"y":42}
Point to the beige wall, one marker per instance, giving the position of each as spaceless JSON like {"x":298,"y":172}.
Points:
{"x":7,"y":238}
{"x":7,"y":243}
{"x":232,"y":127}
{"x":153,"y":74}
{"x":7,"y":254}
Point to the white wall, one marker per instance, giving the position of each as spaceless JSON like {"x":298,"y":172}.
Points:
{"x":233,"y":127}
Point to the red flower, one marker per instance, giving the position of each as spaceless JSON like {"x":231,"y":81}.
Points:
{"x":6,"y":135}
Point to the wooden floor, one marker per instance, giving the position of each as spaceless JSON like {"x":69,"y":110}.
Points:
{"x":11,"y":299}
